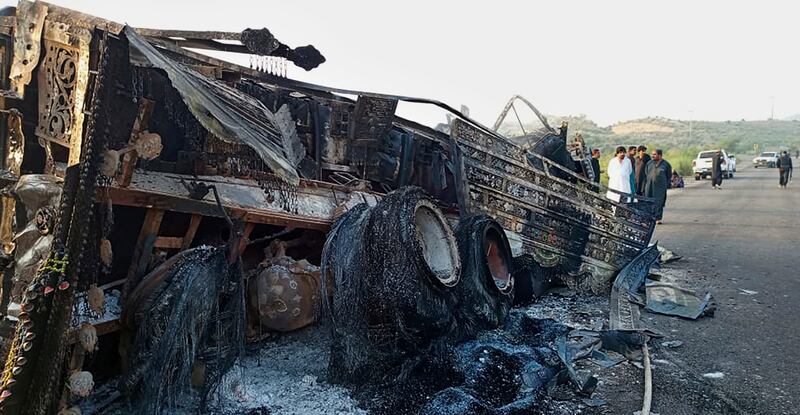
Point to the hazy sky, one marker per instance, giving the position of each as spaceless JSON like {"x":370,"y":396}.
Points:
{"x":611,"y":60}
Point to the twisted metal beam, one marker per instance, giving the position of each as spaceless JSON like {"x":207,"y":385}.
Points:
{"x":510,"y":105}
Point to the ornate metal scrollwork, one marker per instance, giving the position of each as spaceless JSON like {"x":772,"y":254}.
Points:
{"x":63,"y":75}
{"x":558,"y":221}
{"x":58,"y":79}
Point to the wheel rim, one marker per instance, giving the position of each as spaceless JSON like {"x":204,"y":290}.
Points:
{"x":437,"y":243}
{"x":498,"y":258}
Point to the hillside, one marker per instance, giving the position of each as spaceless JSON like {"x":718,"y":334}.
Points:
{"x":673,"y":135}
{"x":735,"y":136}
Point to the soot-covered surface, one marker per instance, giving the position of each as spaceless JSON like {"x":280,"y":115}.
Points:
{"x":284,"y":375}
{"x":183,"y":320}
{"x":503,"y":371}
{"x":405,"y":342}
{"x":388,"y":306}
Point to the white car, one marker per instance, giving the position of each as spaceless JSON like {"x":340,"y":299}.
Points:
{"x":766,"y":159}
{"x":701,"y":166}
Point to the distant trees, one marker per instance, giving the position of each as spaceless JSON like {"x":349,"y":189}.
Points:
{"x":732,"y":145}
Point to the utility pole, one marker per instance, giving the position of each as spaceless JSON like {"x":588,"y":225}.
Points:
{"x":691,"y":115}
{"x":772,"y":108}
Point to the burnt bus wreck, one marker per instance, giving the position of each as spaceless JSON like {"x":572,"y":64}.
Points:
{"x":161,"y":208}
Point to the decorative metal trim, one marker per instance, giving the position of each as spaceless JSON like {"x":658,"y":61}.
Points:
{"x":293,"y":148}
{"x":559,"y":222}
{"x":63,"y":76}
{"x":624,"y":313}
{"x":372,"y":121}
{"x":27,"y":44}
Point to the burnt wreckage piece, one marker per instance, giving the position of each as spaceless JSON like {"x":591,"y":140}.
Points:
{"x":404,"y":319}
{"x":188,"y":316}
{"x":391,"y":266}
{"x":262,"y":42}
{"x":560,"y":222}
{"x":502,"y":371}
{"x":34,"y":369}
{"x":531,"y":280}
{"x":401,"y":297}
{"x":400,"y":289}
{"x":552,"y":147}
{"x":485,"y":291}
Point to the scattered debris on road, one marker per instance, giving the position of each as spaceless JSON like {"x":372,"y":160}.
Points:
{"x":670,"y":299}
{"x":667,"y":256}
{"x":672,"y":344}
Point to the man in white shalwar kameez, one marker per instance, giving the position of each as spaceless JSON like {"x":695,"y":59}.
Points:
{"x":619,"y":173}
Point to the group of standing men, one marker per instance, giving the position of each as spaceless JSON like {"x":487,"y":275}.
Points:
{"x":634,"y":172}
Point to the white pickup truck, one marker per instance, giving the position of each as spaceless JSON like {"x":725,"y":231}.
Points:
{"x":701,"y":166}
{"x":766,"y":159}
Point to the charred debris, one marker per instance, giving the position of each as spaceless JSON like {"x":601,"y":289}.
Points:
{"x":162,"y":208}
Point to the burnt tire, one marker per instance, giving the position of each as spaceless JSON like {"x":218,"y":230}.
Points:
{"x":531,"y":280}
{"x":392,"y":267}
{"x":485,"y":292}
{"x":417,"y":260}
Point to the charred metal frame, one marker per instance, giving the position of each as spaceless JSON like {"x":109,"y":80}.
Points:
{"x":561,"y":222}
{"x":350,"y":152}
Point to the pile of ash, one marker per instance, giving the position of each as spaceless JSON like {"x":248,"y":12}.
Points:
{"x":504,"y":371}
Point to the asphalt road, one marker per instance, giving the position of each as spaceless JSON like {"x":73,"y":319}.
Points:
{"x":742,"y":243}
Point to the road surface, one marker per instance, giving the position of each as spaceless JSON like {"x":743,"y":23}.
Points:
{"x":742,"y":243}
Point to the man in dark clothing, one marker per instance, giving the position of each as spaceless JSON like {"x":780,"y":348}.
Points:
{"x":716,"y":169}
{"x":596,"y":164}
{"x":632,"y":158}
{"x":641,"y":163}
{"x":658,"y":178}
{"x":785,"y":168}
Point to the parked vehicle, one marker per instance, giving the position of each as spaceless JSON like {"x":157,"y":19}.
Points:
{"x":701,"y":166}
{"x":766,"y":159}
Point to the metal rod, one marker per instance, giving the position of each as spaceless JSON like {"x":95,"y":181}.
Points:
{"x":273,"y":236}
{"x":522,"y":127}
{"x":648,"y":381}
